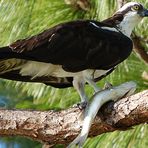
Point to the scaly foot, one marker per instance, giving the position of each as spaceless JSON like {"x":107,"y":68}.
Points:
{"x":81,"y":105}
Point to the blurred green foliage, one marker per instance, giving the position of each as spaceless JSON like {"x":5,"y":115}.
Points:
{"x":23,"y":18}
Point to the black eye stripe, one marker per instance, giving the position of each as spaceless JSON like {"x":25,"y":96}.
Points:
{"x":130,"y":8}
{"x":140,"y":7}
{"x":126,"y":10}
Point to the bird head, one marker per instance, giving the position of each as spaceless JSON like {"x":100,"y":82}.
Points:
{"x":132,"y":13}
{"x":127,"y":17}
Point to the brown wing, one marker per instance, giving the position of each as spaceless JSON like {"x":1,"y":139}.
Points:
{"x":32,"y":42}
{"x":76,"y":46}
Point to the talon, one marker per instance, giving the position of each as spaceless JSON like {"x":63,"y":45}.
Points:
{"x":107,"y":85}
{"x":82,"y":105}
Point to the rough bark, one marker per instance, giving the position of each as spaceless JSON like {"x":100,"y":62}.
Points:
{"x":63,"y":126}
{"x":79,"y":4}
{"x":139,"y":48}
{"x":120,"y":3}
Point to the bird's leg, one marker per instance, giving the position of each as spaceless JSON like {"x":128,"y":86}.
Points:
{"x":79,"y":85}
{"x":93,"y":84}
{"x":125,"y":89}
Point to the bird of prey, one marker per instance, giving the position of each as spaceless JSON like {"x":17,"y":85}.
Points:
{"x":73,"y":53}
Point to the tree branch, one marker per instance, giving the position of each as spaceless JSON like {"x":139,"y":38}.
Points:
{"x":120,"y":3}
{"x":139,"y":48}
{"x":79,"y":4}
{"x":63,"y":126}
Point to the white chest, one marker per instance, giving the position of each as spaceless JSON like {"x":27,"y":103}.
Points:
{"x":128,"y":23}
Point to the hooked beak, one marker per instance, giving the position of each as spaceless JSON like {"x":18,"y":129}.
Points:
{"x":144,"y":13}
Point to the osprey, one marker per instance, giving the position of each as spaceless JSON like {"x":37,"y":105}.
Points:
{"x":73,"y":53}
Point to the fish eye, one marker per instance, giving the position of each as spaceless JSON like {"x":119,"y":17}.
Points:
{"x":136,"y":7}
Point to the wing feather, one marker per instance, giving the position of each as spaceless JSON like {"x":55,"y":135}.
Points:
{"x":11,"y":64}
{"x":76,"y":46}
{"x":11,"y":69}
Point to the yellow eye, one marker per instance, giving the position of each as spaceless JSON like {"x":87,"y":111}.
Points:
{"x":136,"y":7}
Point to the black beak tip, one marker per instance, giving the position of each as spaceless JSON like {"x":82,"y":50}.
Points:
{"x":146,"y":13}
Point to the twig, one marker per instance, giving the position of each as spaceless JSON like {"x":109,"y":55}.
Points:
{"x":79,"y":4}
{"x":120,"y":3}
{"x":139,"y":48}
